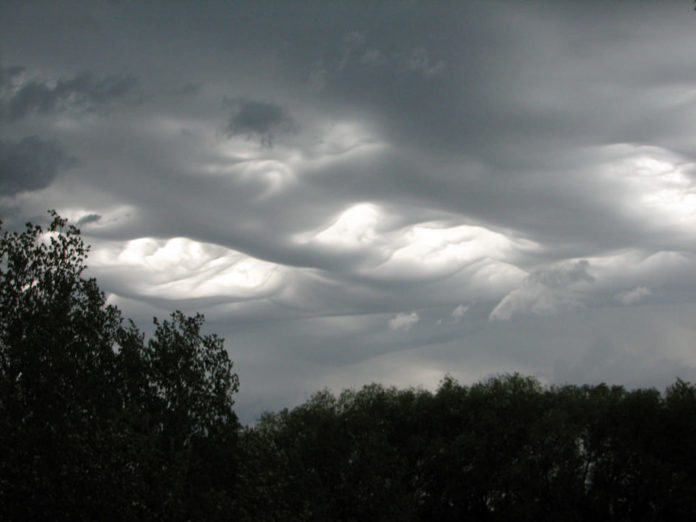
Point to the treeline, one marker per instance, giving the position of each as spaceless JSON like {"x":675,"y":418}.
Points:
{"x":99,"y":423}
{"x":504,"y":449}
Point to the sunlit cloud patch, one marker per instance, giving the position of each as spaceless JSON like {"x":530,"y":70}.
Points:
{"x":180,"y":268}
{"x":660,"y":184}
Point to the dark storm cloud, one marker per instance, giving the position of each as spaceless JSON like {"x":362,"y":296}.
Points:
{"x":82,"y":91}
{"x":31,"y":164}
{"x":463,"y":187}
{"x":258,"y":120}
{"x":501,"y":96}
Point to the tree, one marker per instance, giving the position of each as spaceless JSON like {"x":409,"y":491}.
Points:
{"x":503,"y":449}
{"x":93,"y":419}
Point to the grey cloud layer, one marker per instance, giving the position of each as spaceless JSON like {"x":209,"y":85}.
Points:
{"x":386,"y":191}
{"x":258,"y":119}
{"x":31,"y":164}
{"x":81,"y":91}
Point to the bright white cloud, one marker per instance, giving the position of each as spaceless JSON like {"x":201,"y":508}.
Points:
{"x":656,"y":185}
{"x":463,"y":243}
{"x":430,"y":247}
{"x":181,"y":268}
{"x":480,"y":262}
{"x":355,"y":227}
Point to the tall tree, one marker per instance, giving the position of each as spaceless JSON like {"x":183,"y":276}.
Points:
{"x":94,"y":421}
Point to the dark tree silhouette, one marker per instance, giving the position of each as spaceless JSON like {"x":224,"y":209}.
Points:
{"x":504,"y":449}
{"x":94,"y":421}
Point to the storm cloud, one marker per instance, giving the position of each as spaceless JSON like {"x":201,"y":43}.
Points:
{"x":31,"y":164}
{"x":20,"y":97}
{"x":375,"y":192}
{"x":257,"y":119}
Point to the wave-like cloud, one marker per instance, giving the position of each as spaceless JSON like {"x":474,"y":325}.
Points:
{"x":180,"y":268}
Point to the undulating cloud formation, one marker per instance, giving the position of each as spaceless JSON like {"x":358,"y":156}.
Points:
{"x":359,"y":192}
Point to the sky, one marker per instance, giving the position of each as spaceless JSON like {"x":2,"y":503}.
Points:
{"x":357,"y":192}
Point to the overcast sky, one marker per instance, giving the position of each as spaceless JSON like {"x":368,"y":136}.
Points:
{"x":356,"y":192}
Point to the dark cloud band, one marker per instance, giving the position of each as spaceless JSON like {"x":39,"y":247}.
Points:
{"x":31,"y":164}
{"x":82,"y":91}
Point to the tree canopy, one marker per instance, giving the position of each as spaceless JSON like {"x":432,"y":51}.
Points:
{"x":504,"y":449}
{"x":94,"y":419}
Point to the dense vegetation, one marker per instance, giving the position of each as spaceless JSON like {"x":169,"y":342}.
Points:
{"x":96,"y":422}
{"x":505,"y":449}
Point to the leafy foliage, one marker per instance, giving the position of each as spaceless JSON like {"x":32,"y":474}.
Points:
{"x":504,"y":449}
{"x":94,"y":420}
